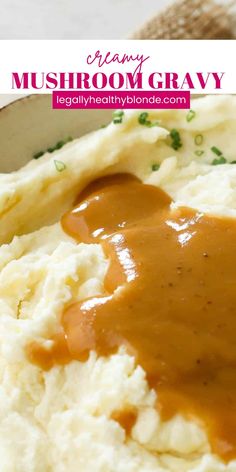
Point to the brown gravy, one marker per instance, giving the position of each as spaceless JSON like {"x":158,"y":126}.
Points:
{"x":126,"y":419}
{"x":171,"y":299}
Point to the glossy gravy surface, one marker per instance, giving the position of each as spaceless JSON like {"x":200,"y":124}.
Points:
{"x":170,"y":299}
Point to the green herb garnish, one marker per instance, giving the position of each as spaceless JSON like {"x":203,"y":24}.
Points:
{"x":117,"y":117}
{"x":199,"y":153}
{"x":103,"y":126}
{"x":220,"y":160}
{"x":60,"y":166}
{"x":38,"y":154}
{"x":155,"y":167}
{"x":233,"y":162}
{"x":57,"y":146}
{"x":190,"y":115}
{"x":216,"y":151}
{"x":143,"y":120}
{"x":176,"y":140}
{"x":198,"y":139}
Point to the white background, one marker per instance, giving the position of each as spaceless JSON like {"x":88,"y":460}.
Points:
{"x":164,"y":56}
{"x":74,"y":19}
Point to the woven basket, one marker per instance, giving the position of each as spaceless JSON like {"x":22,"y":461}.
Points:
{"x":191,"y":19}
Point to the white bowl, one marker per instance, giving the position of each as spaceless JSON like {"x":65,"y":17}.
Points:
{"x":30,"y":125}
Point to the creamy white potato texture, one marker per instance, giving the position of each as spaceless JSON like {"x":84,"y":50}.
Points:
{"x":61,"y":420}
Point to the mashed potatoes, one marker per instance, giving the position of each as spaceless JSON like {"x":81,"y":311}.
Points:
{"x":61,"y":420}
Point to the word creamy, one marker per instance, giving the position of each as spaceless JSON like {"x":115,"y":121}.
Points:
{"x":104,"y":59}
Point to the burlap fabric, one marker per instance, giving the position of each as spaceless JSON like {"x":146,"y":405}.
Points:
{"x":192,"y":19}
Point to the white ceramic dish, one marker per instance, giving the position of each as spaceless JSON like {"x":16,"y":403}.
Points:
{"x":30,"y":125}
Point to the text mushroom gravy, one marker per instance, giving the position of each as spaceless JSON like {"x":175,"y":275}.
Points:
{"x":170,"y":299}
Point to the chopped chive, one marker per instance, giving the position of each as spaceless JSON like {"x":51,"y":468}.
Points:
{"x":233,"y":162}
{"x":198,"y":139}
{"x":199,"y":153}
{"x":155,"y":167}
{"x":59,"y":145}
{"x":190,"y":115}
{"x":220,"y":160}
{"x":153,"y":124}
{"x":51,"y":149}
{"x":142,"y":119}
{"x":216,"y":151}
{"x":38,"y":154}
{"x":176,"y":140}
{"x":117,"y":117}
{"x":103,"y":126}
{"x":60,"y":166}
{"x":118,"y":113}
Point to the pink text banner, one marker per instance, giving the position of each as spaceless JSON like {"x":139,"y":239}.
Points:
{"x":121,"y":100}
